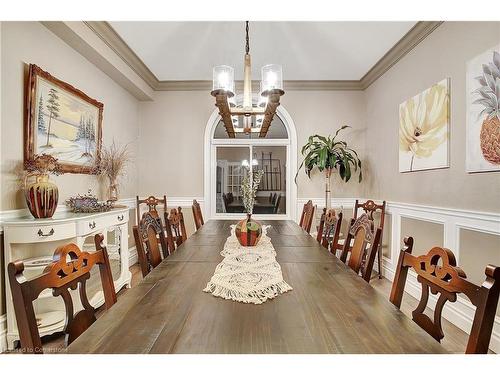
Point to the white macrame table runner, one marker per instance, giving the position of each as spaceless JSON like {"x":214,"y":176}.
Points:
{"x":248,"y":274}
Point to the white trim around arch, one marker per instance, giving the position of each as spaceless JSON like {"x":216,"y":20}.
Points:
{"x":210,"y":165}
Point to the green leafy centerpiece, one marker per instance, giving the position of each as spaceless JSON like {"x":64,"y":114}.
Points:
{"x":248,"y":231}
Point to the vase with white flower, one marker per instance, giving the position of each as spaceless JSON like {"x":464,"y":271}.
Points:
{"x":249,"y":231}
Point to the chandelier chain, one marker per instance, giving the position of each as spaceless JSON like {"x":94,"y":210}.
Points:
{"x":247,"y":47}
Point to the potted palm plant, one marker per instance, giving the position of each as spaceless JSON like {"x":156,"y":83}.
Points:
{"x":328,"y":154}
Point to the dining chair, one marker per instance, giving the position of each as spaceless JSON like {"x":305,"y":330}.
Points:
{"x":307,"y":216}
{"x":151,"y":202}
{"x":197,"y":215}
{"x":176,"y":229}
{"x":276,"y":207}
{"x":329,"y":229}
{"x":365,"y":240}
{"x":437,"y":272}
{"x":149,"y":236}
{"x":70,"y":269}
{"x":370,"y":208}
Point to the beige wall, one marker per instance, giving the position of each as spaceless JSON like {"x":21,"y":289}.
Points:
{"x":30,"y":42}
{"x":443,"y":54}
{"x":173,"y":127}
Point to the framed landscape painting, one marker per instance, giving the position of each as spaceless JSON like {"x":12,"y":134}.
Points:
{"x":62,"y":122}
{"x":424,"y":122}
{"x":483,"y":112}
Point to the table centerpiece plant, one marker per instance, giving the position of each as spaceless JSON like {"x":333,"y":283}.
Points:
{"x":328,"y":154}
{"x":249,"y":231}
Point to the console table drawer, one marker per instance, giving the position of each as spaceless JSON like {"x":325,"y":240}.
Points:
{"x":90,"y":225}
{"x":41,"y":233}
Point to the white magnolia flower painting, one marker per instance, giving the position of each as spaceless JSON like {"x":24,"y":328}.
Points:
{"x":424,"y":122}
{"x":483,"y":112}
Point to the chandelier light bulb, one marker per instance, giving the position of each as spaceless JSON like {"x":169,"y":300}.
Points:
{"x":223,"y":78}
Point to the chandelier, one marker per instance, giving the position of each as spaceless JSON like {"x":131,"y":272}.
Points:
{"x":246,"y":117}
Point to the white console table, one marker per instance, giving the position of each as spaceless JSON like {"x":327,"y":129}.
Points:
{"x":35,"y":240}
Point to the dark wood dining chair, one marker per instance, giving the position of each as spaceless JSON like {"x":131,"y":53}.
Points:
{"x":307,"y":216}
{"x":365,"y":239}
{"x":197,"y":215}
{"x":149,"y":237}
{"x":276,"y":207}
{"x":329,"y":229}
{"x":437,"y":272}
{"x":176,"y":229}
{"x":151,"y":202}
{"x":370,"y":208}
{"x":70,"y":269}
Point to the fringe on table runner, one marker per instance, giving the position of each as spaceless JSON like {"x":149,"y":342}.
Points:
{"x":257,"y":296}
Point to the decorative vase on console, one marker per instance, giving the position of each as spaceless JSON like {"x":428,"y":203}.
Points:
{"x":41,"y":194}
{"x":249,"y":231}
{"x":111,"y":164}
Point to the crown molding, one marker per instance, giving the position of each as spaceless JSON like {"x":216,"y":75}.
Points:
{"x":114,"y":41}
{"x":294,"y":85}
{"x":409,"y":41}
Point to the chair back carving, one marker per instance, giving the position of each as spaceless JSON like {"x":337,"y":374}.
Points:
{"x":307,"y":216}
{"x":329,"y":229}
{"x":151,"y":202}
{"x":176,"y":229}
{"x":370,"y":208}
{"x":437,"y":272}
{"x":69,"y":270}
{"x":364,"y":247}
{"x":197,"y":215}
{"x":149,"y":237}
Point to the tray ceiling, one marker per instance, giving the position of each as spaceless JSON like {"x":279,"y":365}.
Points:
{"x":306,"y":50}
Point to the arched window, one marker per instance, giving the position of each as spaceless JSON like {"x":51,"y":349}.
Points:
{"x":225,"y":159}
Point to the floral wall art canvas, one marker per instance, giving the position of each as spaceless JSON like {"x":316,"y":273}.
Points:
{"x":424,"y":122}
{"x":483,"y":112}
{"x":62,"y":122}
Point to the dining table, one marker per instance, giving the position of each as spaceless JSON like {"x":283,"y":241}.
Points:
{"x":330,"y":309}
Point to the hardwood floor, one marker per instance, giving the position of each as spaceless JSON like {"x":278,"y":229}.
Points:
{"x":455,"y":339}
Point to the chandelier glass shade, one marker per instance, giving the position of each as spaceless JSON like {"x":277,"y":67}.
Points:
{"x":245,"y":117}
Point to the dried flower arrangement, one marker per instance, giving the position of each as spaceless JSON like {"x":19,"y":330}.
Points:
{"x":249,"y":188}
{"x":111,"y":164}
{"x":43,"y":165}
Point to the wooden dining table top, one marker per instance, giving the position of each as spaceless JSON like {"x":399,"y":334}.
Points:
{"x":329,"y":310}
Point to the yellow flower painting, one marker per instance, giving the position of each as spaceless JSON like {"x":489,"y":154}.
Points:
{"x":424,"y":129}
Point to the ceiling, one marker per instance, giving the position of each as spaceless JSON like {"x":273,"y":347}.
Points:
{"x":181,"y":51}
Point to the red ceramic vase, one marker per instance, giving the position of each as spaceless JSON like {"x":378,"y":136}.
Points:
{"x":248,"y":231}
{"x":41,"y":197}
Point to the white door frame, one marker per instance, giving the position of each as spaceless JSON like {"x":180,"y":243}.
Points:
{"x":210,"y":165}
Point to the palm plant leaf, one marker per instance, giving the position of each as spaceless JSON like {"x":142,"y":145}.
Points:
{"x":328,"y":153}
